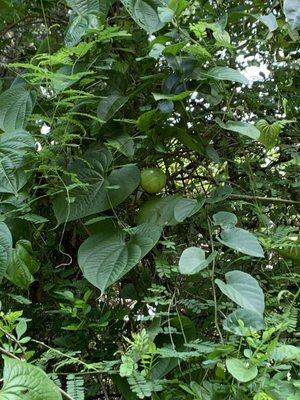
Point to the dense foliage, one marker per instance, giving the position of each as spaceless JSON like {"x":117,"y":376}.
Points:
{"x":149,"y":184}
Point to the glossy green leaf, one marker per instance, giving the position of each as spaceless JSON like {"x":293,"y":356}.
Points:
{"x":24,"y":381}
{"x":240,"y":370}
{"x":291,"y":10}
{"x":244,"y":128}
{"x":249,"y":318}
{"x":244,"y":290}
{"x":16,"y":104}
{"x":101,"y":191}
{"x":241,"y":240}
{"x":105,"y":257}
{"x":15,"y":148}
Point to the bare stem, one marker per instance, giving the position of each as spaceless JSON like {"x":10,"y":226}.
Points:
{"x":213,"y":282}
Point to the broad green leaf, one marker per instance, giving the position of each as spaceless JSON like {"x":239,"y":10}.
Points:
{"x":240,"y":370}
{"x":185,"y":208}
{"x":165,"y":14}
{"x":192,"y":261}
{"x":78,"y":27}
{"x":104,"y":6}
{"x":268,"y":133}
{"x":24,"y":381}
{"x":174,"y":49}
{"x":109,"y":106}
{"x":219,"y":194}
{"x":101,"y":191}
{"x":241,"y":240}
{"x":286,"y":353}
{"x":84,"y":7}
{"x":172,"y":97}
{"x":169,"y":210}
{"x":123,"y":143}
{"x":22,"y":265}
{"x":244,"y":290}
{"x":5,"y":248}
{"x":145,"y":13}
{"x":192,"y":142}
{"x":198,"y":51}
{"x":243,"y":128}
{"x":270,"y":21}
{"x":225,"y":219}
{"x":16,"y":104}
{"x":147,"y":120}
{"x":226,"y":74}
{"x":291,"y":10}
{"x":249,"y":318}
{"x":105,"y":257}
{"x":14,"y":150}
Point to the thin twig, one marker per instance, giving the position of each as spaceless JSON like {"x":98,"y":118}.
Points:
{"x":268,"y":199}
{"x":213,"y":282}
{"x":8,"y":354}
{"x":13,"y":339}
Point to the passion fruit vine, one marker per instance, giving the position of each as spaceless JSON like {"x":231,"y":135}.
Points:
{"x":153,"y":180}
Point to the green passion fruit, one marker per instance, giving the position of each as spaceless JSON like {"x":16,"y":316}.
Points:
{"x":153,"y":180}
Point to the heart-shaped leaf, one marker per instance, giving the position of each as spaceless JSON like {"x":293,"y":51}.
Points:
{"x":225,"y":219}
{"x":100,"y":191}
{"x":169,"y":210}
{"x":192,"y":261}
{"x":107,"y":256}
{"x":241,"y":240}
{"x":244,"y":290}
{"x":240,"y":370}
{"x":250,"y":319}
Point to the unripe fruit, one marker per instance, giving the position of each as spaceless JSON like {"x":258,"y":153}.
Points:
{"x":153,"y":180}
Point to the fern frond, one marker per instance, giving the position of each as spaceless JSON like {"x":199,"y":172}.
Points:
{"x":75,"y":387}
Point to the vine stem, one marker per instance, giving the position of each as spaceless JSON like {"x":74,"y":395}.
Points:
{"x":268,"y":199}
{"x":213,"y":282}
